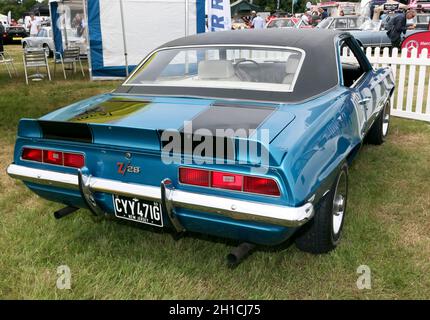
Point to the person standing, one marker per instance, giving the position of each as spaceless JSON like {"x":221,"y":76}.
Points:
{"x":34,"y":26}
{"x":257,"y":21}
{"x":306,"y":18}
{"x":2,"y":30}
{"x":397,"y":25}
{"x":323,"y":13}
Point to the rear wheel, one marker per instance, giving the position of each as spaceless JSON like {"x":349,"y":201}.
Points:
{"x":380,"y":127}
{"x":322,"y":233}
{"x":48,"y":52}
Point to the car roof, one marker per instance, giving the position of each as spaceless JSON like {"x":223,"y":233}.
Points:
{"x":301,"y":38}
{"x":319,"y":72}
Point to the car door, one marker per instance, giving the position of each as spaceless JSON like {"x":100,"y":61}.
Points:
{"x":359,"y":76}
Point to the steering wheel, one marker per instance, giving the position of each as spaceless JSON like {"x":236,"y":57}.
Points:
{"x":243,"y":75}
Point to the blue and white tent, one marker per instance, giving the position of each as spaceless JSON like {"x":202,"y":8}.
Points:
{"x":121,"y":33}
{"x":118,"y":34}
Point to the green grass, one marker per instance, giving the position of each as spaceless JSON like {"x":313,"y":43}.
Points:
{"x":387,"y":228}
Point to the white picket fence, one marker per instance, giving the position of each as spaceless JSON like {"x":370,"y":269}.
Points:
{"x":411,"y":99}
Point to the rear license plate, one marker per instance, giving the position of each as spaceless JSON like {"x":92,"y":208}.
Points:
{"x":138,"y":210}
{"x":16,"y":38}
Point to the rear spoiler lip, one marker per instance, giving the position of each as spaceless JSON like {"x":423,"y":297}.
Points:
{"x":137,"y":138}
{"x":68,"y":131}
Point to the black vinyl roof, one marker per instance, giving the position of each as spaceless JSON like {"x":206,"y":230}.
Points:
{"x":318,"y":74}
{"x":305,"y":39}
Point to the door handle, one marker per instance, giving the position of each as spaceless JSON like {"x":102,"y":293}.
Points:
{"x":364,"y":102}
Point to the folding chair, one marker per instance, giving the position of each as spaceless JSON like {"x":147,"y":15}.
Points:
{"x":35,"y":58}
{"x":70,"y":56}
{"x":7,"y":61}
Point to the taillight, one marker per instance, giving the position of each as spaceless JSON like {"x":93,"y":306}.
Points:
{"x":228,"y":181}
{"x":66,"y":159}
{"x":261,"y":185}
{"x":194,"y":177}
{"x":32,"y":154}
{"x":73,"y":160}
{"x":224,"y":180}
{"x":53,"y":157}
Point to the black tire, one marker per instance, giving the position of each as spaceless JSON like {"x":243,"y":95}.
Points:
{"x":319,"y":235}
{"x":49,"y":52}
{"x":379,"y":130}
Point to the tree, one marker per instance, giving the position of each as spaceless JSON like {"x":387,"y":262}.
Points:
{"x":17,"y":7}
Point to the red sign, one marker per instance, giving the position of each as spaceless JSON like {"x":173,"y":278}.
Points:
{"x":419,"y":41}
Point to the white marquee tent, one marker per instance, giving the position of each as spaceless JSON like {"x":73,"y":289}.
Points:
{"x":121,"y":32}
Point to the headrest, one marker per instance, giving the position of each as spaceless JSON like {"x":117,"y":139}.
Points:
{"x":292,"y":63}
{"x":215,"y":69}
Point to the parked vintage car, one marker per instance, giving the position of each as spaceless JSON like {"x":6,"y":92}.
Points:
{"x":287,"y":23}
{"x":342,"y":23}
{"x":239,"y":134}
{"x":422,"y":21}
{"x":44,"y":39}
{"x":373,"y":34}
{"x":237,"y":23}
{"x":14,"y":34}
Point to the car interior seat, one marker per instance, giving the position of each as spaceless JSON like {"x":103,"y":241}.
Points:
{"x":291,"y":68}
{"x":216,"y":70}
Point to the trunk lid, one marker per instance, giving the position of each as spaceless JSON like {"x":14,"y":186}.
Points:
{"x":121,"y":135}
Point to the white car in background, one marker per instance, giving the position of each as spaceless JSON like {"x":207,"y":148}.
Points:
{"x":44,"y":39}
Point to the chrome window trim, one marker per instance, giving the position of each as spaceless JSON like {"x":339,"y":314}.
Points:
{"x":149,"y":56}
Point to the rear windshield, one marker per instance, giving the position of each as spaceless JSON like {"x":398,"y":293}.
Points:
{"x":16,"y":29}
{"x":229,"y":67}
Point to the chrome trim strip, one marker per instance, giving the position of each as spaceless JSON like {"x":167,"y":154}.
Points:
{"x":234,"y":208}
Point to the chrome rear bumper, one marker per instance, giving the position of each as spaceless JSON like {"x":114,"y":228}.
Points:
{"x":172,"y":198}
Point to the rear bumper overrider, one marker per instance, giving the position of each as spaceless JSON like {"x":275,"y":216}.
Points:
{"x":168,"y":196}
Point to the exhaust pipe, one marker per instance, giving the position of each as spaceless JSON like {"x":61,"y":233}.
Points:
{"x":64,"y":212}
{"x":239,"y":253}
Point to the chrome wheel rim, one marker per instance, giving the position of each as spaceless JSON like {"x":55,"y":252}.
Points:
{"x":386,"y":119}
{"x":339,"y":203}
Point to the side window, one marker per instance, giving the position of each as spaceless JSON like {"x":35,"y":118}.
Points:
{"x":353,"y":67}
{"x":341,"y":23}
{"x":353,"y":23}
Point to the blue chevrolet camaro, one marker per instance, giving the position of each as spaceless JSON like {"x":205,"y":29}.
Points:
{"x":245,"y":135}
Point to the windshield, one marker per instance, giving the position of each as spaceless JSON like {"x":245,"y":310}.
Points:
{"x":281,"y":23}
{"x":42,"y":33}
{"x":423,"y":18}
{"x":229,"y":67}
{"x":325,"y":23}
